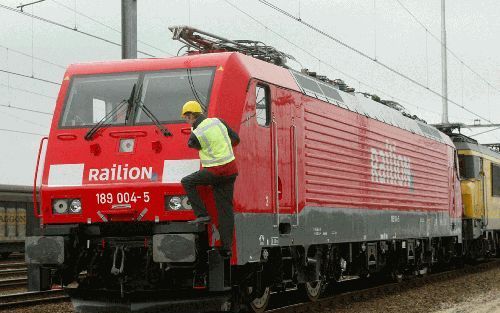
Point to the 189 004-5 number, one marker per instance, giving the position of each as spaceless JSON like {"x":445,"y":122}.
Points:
{"x":121,"y":197}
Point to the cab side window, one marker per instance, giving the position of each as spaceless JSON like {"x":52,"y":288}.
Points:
{"x":470,"y":166}
{"x":262,"y":105}
{"x":495,"y":180}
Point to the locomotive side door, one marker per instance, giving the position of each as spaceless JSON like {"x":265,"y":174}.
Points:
{"x":261,"y":154}
{"x":283,"y":179}
{"x":272,"y":139}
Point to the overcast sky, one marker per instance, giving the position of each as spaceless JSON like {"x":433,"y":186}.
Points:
{"x":380,"y":28}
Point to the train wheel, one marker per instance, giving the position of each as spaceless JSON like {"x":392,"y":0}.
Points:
{"x":259,"y":305}
{"x":397,"y":276}
{"x":313,"y":290}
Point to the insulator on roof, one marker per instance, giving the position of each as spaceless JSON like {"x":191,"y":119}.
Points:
{"x":340,"y":83}
{"x":494,"y":146}
{"x":376,"y":98}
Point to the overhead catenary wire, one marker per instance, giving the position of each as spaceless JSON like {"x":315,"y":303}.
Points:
{"x":297,"y":46}
{"x":106,"y":26}
{"x":25,"y":120}
{"x":21,"y":6}
{"x":21,"y":132}
{"x":344,"y":44}
{"x":447,"y":48}
{"x":32,"y":43}
{"x":34,"y":57}
{"x":28,"y":91}
{"x":484,"y":132}
{"x":25,"y":109}
{"x":69,"y":28}
{"x":75,"y":13}
{"x":30,"y":77}
{"x":375,"y":29}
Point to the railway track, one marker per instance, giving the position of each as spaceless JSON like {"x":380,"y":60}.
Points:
{"x":24,"y":299}
{"x":331,"y":301}
{"x":13,"y":265}
{"x":14,"y":257}
{"x":13,"y":283}
{"x":53,"y":296}
{"x":4,"y":273}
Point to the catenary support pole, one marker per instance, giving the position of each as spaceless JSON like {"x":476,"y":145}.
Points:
{"x":444,"y":119}
{"x":129,"y":29}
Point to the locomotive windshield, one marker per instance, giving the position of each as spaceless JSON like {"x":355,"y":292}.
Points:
{"x":91,"y":97}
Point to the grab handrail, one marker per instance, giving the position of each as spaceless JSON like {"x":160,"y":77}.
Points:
{"x":276,"y":177}
{"x":296,"y":173}
{"x":37,"y":212}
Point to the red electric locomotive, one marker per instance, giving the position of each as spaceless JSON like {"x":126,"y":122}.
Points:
{"x":332,"y":185}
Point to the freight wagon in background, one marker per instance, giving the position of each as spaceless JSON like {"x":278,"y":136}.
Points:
{"x":15,"y":202}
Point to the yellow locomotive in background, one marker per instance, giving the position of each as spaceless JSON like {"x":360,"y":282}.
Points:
{"x":479,"y":167}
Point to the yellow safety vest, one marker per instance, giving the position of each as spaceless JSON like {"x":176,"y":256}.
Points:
{"x":216,"y":148}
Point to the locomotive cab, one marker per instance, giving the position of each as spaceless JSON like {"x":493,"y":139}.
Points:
{"x":479,"y":168}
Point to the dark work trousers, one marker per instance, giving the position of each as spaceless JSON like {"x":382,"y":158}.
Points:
{"x":223,"y":188}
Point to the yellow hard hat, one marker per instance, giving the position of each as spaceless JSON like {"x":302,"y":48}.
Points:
{"x":191,"y":106}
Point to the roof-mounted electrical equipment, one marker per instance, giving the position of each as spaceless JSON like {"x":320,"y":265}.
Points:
{"x":204,"y":42}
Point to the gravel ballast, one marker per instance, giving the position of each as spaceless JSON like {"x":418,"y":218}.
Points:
{"x":471,"y":293}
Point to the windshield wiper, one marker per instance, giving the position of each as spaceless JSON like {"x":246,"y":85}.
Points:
{"x":147,"y":111}
{"x":103,"y":122}
{"x":130,"y":106}
{"x":155,"y":120}
{"x":194,"y":91}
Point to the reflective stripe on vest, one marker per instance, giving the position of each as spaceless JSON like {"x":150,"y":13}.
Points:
{"x":215,"y":143}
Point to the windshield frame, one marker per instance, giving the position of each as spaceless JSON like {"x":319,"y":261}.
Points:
{"x":135,"y":109}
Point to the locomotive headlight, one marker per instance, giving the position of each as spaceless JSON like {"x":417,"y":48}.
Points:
{"x":175,"y":203}
{"x":65,"y":206}
{"x":127,"y":145}
{"x":60,"y":206}
{"x":75,"y":206}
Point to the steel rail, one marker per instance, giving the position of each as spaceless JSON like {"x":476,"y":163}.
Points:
{"x":13,"y":272}
{"x":24,"y":299}
{"x":382,"y":290}
{"x":12,"y":265}
{"x":13,"y":283}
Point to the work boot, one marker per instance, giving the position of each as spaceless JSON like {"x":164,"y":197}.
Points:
{"x":200,"y":220}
